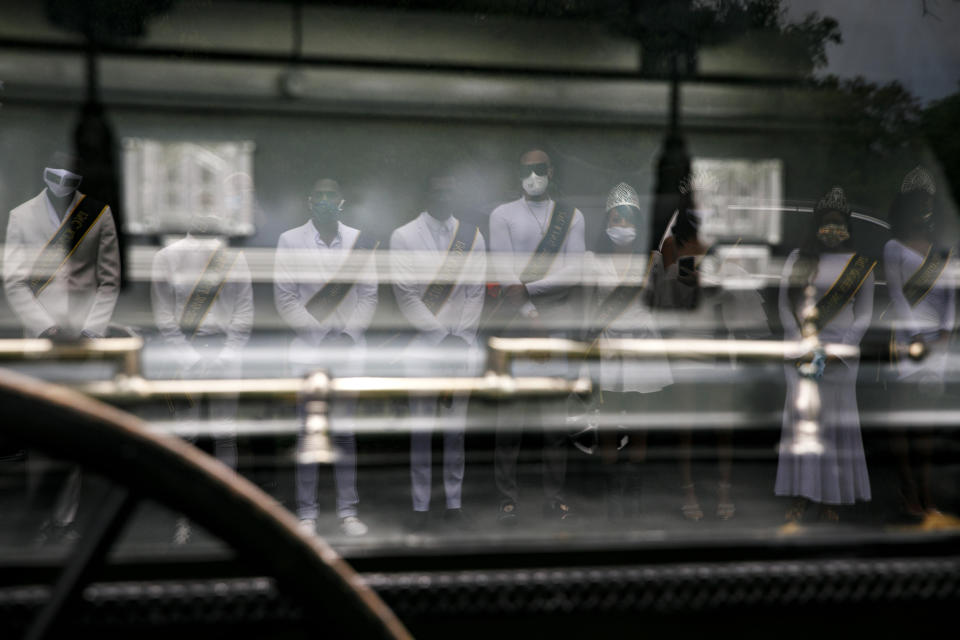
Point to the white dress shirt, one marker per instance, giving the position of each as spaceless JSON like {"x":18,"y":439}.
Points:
{"x":419,"y":248}
{"x":304,"y":264}
{"x":176,"y":270}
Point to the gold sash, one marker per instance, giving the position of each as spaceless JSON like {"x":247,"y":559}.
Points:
{"x":437,"y":293}
{"x":64,"y":242}
{"x":846,"y":286}
{"x":924,"y":278}
{"x":546,"y":252}
{"x":325,"y":301}
{"x":205,"y":291}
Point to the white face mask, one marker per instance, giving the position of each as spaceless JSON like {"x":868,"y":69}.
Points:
{"x":622,"y":236}
{"x":535,"y":185}
{"x":61,"y":182}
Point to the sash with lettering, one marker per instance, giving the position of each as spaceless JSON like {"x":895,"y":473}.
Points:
{"x":622,"y":296}
{"x":437,"y":293}
{"x":205,"y":291}
{"x":921,"y":282}
{"x":323,"y":302}
{"x":843,"y":289}
{"x":74,"y":228}
{"x":546,"y":252}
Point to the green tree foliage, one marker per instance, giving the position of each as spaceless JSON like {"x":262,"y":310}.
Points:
{"x":871,"y":135}
{"x":940,"y":124}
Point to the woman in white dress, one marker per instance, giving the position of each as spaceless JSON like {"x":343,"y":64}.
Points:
{"x":624,"y":279}
{"x":922,"y":302}
{"x":826,"y":261}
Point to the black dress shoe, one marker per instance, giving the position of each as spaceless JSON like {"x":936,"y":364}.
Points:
{"x":507,"y":516}
{"x":454,"y":519}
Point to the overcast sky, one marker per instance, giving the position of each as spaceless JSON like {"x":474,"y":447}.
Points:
{"x":892,"y":40}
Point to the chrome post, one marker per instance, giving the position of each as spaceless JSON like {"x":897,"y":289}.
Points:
{"x":806,"y":437}
{"x":316,"y":446}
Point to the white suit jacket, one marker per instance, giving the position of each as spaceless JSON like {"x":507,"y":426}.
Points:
{"x":414,"y":254}
{"x":84,"y":291}
{"x":303,"y":266}
{"x":176,"y":270}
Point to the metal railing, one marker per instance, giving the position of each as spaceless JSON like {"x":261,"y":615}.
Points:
{"x":316,"y":389}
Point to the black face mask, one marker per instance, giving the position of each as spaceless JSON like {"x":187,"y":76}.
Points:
{"x":326,"y":210}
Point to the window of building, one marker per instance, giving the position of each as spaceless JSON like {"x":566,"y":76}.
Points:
{"x":167,"y":183}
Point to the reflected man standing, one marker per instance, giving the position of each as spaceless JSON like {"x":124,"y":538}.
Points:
{"x":203,"y":306}
{"x":62,"y":278}
{"x":325,"y":289}
{"x":445,"y":312}
{"x":537,"y":246}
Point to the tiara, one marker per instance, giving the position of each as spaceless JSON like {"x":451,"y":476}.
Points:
{"x":699,"y":181}
{"x":918,"y":180}
{"x":834,"y":200}
{"x":623,"y":194}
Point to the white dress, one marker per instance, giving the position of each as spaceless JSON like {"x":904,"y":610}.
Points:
{"x":839,"y":475}
{"x":636,"y":321}
{"x":933,"y":314}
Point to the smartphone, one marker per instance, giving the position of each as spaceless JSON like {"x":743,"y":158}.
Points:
{"x":686,"y":265}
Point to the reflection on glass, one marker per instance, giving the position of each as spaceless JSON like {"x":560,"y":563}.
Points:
{"x":842,"y":281}
{"x":537,"y":244}
{"x":329,"y":309}
{"x":922,"y":308}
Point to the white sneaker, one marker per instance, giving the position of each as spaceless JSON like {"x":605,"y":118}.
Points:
{"x":308,"y":526}
{"x":353,"y":527}
{"x":181,"y":532}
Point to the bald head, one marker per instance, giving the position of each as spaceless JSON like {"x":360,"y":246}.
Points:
{"x":535,"y":156}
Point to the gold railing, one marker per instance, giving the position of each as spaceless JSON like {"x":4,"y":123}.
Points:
{"x":497,"y":382}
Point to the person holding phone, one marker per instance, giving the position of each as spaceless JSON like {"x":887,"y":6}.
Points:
{"x":694,"y":275}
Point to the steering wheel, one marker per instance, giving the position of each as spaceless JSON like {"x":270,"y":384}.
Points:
{"x":117,"y":445}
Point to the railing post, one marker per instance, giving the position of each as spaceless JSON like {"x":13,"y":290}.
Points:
{"x":316,"y":447}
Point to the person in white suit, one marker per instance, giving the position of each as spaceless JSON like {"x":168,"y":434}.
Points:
{"x":325,"y":289}
{"x":62,"y":278}
{"x":202,"y":300}
{"x":438,"y":264}
{"x":61,"y":260}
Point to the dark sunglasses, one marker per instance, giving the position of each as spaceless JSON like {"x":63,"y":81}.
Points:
{"x":66,"y":181}
{"x":540,"y":168}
